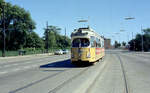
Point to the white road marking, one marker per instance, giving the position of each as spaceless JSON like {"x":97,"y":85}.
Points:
{"x":26,"y":67}
{"x":14,"y":70}
{"x":21,"y":68}
{"x":7,"y":65}
{"x":34,"y":66}
{"x":14,"y":64}
{"x":28,"y":62}
{"x":4,"y":72}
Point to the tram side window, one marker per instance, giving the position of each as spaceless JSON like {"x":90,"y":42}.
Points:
{"x":92,"y":40}
{"x":103,"y":44}
{"x":98,"y":43}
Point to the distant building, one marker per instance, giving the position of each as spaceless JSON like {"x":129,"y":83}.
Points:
{"x":107,"y":43}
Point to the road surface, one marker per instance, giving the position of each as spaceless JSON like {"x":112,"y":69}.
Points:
{"x":119,"y":72}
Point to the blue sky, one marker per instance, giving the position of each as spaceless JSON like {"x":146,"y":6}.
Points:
{"x":106,"y":17}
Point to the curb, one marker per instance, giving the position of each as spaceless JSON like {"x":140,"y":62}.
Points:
{"x":46,"y":54}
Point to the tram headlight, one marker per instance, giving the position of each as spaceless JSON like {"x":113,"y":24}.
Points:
{"x":88,"y":55}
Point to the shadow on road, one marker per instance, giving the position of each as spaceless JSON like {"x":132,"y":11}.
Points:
{"x":63,"y":64}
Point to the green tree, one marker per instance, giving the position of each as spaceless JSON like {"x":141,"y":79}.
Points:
{"x":53,"y":33}
{"x":55,"y":40}
{"x":18,"y":24}
{"x":123,"y":43}
{"x":117,"y":45}
{"x":63,"y":42}
{"x":34,"y":41}
{"x":147,"y":31}
{"x":136,"y":44}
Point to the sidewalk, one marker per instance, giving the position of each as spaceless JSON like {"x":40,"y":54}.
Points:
{"x":19,"y":56}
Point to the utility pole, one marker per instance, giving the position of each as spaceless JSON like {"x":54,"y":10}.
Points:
{"x":65,"y":36}
{"x":4,"y":44}
{"x":131,"y":18}
{"x":142,"y":39}
{"x":46,"y":39}
{"x":65,"y":32}
{"x":133,"y":42}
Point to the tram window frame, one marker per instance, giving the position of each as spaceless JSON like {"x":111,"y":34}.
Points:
{"x":98,"y":44}
{"x":102,"y":44}
{"x":92,"y":41}
{"x":79,"y":42}
{"x":86,"y":42}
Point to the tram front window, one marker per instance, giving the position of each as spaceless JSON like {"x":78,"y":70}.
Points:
{"x":80,"y":42}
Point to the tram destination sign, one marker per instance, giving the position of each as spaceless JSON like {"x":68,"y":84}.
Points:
{"x":79,"y":34}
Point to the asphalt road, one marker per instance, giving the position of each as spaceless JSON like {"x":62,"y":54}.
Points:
{"x":118,"y":72}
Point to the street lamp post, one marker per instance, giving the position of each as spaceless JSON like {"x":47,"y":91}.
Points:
{"x":4,"y":36}
{"x":131,"y":18}
{"x":142,"y":39}
{"x":47,"y":36}
{"x":142,"y":43}
{"x":117,"y":33}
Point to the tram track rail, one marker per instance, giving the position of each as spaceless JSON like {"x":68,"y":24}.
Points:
{"x":89,"y":89}
{"x":68,"y":81}
{"x":103,"y":68}
{"x":124,"y":75}
{"x":38,"y":81}
{"x":52,"y":76}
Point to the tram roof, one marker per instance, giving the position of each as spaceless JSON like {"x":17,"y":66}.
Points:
{"x":84,"y":31}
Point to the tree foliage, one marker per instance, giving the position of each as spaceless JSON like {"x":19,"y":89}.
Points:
{"x":34,"y":41}
{"x":19,"y":27}
{"x":117,"y":45}
{"x":123,"y":43}
{"x":55,"y":40}
{"x":136,"y":44}
{"x":147,"y":31}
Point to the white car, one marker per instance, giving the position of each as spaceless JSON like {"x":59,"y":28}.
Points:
{"x":58,"y":52}
{"x":65,"y":51}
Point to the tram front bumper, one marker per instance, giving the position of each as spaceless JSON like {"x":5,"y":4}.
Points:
{"x":81,"y":60}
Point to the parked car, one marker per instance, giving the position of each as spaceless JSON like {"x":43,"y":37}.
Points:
{"x":58,"y":52}
{"x":65,"y":51}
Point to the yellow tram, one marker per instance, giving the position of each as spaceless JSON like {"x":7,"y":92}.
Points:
{"x":87,"y":46}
